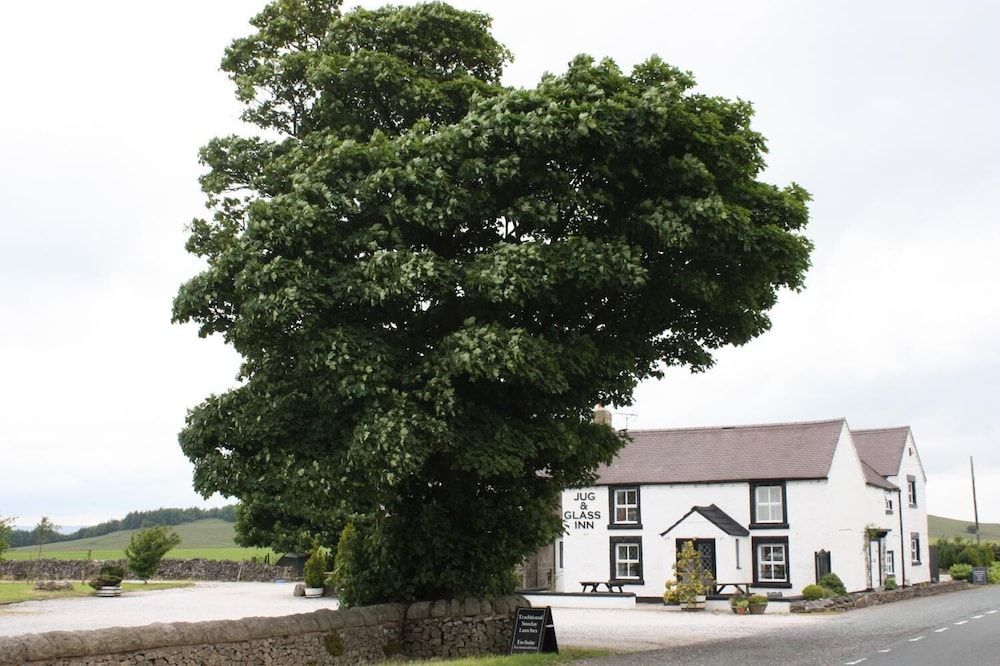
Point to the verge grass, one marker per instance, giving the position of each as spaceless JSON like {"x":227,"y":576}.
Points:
{"x":14,"y":592}
{"x":565,"y":655}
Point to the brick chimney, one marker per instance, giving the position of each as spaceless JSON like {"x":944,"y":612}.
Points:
{"x":602,"y":415}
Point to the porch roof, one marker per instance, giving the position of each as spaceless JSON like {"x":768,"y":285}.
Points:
{"x":717,"y":517}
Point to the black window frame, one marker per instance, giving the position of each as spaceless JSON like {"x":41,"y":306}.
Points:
{"x":783,"y":540}
{"x":754,"y":523}
{"x":890,"y":504}
{"x":911,"y":490}
{"x":915,"y":539}
{"x":613,"y":523}
{"x":614,"y":542}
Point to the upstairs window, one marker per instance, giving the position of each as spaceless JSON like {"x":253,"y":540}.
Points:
{"x":768,"y":505}
{"x":625,"y":507}
{"x":889,"y":504}
{"x":911,"y":490}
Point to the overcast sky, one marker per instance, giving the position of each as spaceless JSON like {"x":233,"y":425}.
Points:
{"x":886,"y":112}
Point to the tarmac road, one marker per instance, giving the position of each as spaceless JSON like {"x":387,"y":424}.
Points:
{"x":955,"y":628}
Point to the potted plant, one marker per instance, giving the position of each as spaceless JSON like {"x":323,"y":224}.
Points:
{"x":108,"y":581}
{"x":739,"y":603}
{"x":693,"y":581}
{"x":314,"y":572}
{"x":757,"y":604}
{"x":670,"y":594}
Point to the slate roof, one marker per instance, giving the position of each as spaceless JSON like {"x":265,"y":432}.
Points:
{"x":873,"y":478}
{"x":737,"y":453}
{"x":882,"y":448}
{"x":717,"y":517}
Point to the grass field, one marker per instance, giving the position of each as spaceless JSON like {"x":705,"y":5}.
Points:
{"x":12,"y":593}
{"x":211,"y":539}
{"x":947,"y":528}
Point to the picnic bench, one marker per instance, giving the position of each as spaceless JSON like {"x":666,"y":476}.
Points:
{"x":738,"y":588}
{"x":594,"y":585}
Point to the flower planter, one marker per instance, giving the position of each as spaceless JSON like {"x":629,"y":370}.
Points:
{"x":109,"y":591}
{"x":696,"y":605}
{"x":741,"y":610}
{"x":758,"y":609}
{"x":314,"y":592}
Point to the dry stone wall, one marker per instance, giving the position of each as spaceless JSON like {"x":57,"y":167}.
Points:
{"x":369,"y":634}
{"x":194,"y":569}
{"x":875,"y":598}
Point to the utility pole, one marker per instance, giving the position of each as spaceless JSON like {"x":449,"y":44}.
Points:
{"x":975,"y":504}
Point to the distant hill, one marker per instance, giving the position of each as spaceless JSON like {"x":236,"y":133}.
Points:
{"x":206,"y":533}
{"x":947,"y":528}
{"x":132,"y":521}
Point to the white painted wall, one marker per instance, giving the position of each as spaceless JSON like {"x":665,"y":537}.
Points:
{"x":914,"y":519}
{"x":830,"y":514}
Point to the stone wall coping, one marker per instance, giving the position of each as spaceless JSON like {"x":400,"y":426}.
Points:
{"x":55,"y":645}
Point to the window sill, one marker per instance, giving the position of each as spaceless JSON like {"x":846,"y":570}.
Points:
{"x":913,"y":506}
{"x":783,"y":586}
{"x":916,"y":564}
{"x":627,"y":581}
{"x":624,"y":526}
{"x":889,"y":513}
{"x":769,"y":526}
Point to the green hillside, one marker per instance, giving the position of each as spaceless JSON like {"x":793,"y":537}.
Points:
{"x":947,"y":528}
{"x":211,"y":538}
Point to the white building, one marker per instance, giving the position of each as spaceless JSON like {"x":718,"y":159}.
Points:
{"x":770,"y":508}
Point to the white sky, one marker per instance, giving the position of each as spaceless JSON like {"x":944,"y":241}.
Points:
{"x":886,"y":112}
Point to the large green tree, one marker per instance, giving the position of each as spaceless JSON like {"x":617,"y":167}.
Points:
{"x":432,"y":278}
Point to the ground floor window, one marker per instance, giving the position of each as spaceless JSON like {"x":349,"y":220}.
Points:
{"x":770,"y":556}
{"x":626,"y":559}
{"x":915,"y":548}
{"x":890,"y":563}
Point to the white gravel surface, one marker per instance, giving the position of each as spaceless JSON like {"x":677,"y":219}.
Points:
{"x":649,"y":627}
{"x":203,"y":601}
{"x":646,"y":627}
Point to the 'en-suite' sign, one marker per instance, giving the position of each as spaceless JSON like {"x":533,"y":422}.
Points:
{"x":580,"y":515}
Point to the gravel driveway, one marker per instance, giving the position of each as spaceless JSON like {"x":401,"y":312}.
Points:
{"x":647,"y":627}
{"x":203,"y":601}
{"x":652,"y":627}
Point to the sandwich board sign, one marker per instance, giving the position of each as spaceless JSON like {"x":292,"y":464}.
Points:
{"x":979,"y":576}
{"x":534,"y":631}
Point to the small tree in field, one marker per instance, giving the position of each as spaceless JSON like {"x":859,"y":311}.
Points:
{"x":147,"y":547}
{"x":5,"y":529}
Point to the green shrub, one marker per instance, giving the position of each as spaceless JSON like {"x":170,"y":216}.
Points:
{"x":813,"y":592}
{"x":961,"y":571}
{"x":758,"y":600}
{"x":146,"y":549}
{"x":832,"y":582}
{"x":110,"y":575}
{"x":739,"y":599}
{"x":314,"y":571}
{"x":890,"y":583}
{"x":994,"y":573}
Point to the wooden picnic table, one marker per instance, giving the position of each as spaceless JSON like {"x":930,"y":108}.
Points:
{"x":595,"y":585}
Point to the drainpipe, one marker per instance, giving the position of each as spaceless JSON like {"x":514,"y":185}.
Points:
{"x":903,"y":550}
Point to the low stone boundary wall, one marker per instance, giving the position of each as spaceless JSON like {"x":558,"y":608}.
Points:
{"x":865,"y":599}
{"x":359,"y":635}
{"x":194,"y":569}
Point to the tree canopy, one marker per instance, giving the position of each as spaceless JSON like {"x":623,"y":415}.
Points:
{"x":432,"y":278}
